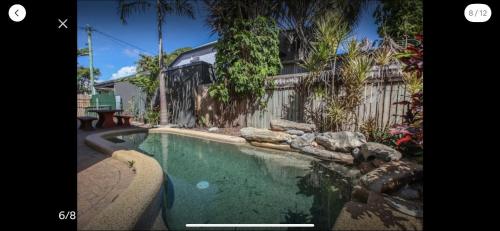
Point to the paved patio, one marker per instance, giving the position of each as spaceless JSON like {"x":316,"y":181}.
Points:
{"x":101,"y":179}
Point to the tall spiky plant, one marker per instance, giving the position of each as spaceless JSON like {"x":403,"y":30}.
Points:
{"x":353,"y":74}
{"x":330,"y":31}
{"x":384,"y":56}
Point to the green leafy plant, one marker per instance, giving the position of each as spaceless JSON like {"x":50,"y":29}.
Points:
{"x":203,"y":121}
{"x":376,"y":133}
{"x":414,"y":84}
{"x":83,"y":74}
{"x":340,"y":107}
{"x":83,"y":78}
{"x":329,"y":32}
{"x":152,"y":116}
{"x":248,"y":52}
{"x":410,"y":132}
{"x":399,"y":18}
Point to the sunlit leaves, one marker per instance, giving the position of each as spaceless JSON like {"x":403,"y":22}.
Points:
{"x":399,"y":18}
{"x":83,"y":78}
{"x":247,"y":53}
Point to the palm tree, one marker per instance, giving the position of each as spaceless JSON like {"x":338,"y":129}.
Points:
{"x":297,"y":18}
{"x":163,"y":7}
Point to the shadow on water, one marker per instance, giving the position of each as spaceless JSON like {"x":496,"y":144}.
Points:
{"x":167,"y":198}
{"x":330,"y":191}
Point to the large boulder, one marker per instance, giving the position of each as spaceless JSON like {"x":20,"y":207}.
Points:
{"x":408,"y":193}
{"x":264,"y":135}
{"x":302,"y":141}
{"x":213,"y":129}
{"x":366,"y":167}
{"x":344,"y":141}
{"x":356,"y":153}
{"x":379,"y":212}
{"x":391,"y":176}
{"x":380,"y":151}
{"x":295,"y":132}
{"x":380,"y":216}
{"x":284,"y":125}
{"x":328,"y":155}
{"x":346,"y":172}
{"x":359,"y":194}
{"x":408,"y":207}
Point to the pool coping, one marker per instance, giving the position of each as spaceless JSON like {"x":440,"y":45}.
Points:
{"x":201,"y":134}
{"x":127,"y":210}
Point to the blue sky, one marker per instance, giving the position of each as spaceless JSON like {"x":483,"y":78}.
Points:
{"x":116,"y":59}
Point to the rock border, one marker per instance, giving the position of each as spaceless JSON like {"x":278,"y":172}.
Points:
{"x":126,"y":212}
{"x":201,"y":134}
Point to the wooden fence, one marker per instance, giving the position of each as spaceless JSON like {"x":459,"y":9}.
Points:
{"x":82,"y":102}
{"x":379,"y":95}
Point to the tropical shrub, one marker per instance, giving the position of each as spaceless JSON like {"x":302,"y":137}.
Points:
{"x":410,"y":132}
{"x":152,"y":116}
{"x":203,"y":121}
{"x":247,"y":53}
{"x":83,"y":79}
{"x":399,"y":18}
{"x":375,"y":133}
{"x":340,"y":105}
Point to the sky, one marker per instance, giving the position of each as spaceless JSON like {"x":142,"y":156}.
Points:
{"x":116,"y":46}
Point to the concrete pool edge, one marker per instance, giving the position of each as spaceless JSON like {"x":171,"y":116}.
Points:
{"x":201,"y":134}
{"x":128,"y":209}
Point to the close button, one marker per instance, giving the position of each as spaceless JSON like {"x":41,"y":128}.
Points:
{"x":62,"y":23}
{"x":17,"y":13}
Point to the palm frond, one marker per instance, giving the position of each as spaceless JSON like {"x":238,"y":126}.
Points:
{"x":126,"y":8}
{"x":183,"y":7}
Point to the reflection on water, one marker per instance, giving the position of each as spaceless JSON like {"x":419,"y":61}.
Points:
{"x":241,"y":184}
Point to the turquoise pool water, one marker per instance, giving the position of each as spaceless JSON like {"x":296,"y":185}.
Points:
{"x":209,"y":182}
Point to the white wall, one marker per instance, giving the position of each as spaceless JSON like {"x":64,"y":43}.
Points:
{"x":209,"y":58}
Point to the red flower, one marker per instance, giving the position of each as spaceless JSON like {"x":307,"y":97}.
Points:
{"x":399,"y":130}
{"x":405,"y":139}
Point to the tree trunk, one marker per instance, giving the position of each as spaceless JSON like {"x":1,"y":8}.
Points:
{"x":163,"y":96}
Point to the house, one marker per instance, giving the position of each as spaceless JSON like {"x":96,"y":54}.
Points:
{"x":206,"y":53}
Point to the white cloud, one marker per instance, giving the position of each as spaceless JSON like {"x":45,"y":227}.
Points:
{"x":124,"y":71}
{"x":132,"y":53}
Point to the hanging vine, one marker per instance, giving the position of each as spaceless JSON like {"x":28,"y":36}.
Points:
{"x":247,"y":53}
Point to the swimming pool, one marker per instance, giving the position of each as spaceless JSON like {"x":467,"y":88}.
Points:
{"x":209,"y":182}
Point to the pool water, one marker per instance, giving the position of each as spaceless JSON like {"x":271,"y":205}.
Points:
{"x":208,"y":182}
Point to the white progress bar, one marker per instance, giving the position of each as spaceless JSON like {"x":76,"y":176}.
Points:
{"x":249,"y":225}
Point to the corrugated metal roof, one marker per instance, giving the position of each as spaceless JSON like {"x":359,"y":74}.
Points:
{"x":111,"y":81}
